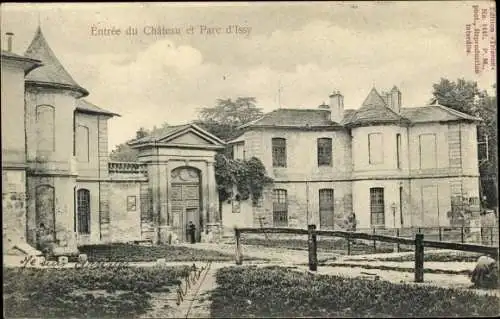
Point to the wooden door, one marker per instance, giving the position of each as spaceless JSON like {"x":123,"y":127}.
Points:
{"x":185,"y":208}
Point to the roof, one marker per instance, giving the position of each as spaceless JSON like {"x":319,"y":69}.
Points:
{"x":173,"y":131}
{"x":239,"y":139}
{"x":52,"y":73}
{"x":30,"y":64}
{"x":435,"y":113}
{"x":158,"y":134}
{"x":373,"y":111}
{"x":294,"y":118}
{"x":85,"y":106}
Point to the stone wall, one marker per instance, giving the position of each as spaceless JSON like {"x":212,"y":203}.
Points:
{"x":13,"y":207}
{"x":124,"y":211}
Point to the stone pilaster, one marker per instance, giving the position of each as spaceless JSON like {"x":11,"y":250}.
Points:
{"x":163,"y":212}
{"x":213,"y":196}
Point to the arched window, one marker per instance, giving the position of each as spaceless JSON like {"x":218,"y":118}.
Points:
{"x":83,"y":211}
{"x":82,"y":143}
{"x":44,"y":206}
{"x":45,"y":126}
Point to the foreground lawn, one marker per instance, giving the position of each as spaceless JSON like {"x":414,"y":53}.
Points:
{"x":450,"y":256}
{"x":279,"y":292}
{"x":338,"y":245}
{"x":138,"y":253}
{"x":81,"y":293}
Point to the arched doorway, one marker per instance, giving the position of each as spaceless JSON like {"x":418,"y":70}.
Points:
{"x":186,"y":201}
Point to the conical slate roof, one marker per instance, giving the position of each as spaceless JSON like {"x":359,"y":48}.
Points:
{"x":374,"y":111}
{"x":52,"y":73}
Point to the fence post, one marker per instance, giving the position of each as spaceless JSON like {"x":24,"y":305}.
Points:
{"x":491,"y":236}
{"x":374,"y":243}
{"x":462,"y":234}
{"x":313,"y":258}
{"x":419,"y":258}
{"x":238,"y":255}
{"x":398,"y":248}
{"x":348,"y":244}
{"x":440,"y":234}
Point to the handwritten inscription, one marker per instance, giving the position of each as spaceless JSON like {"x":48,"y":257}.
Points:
{"x":480,"y":38}
{"x":162,"y":30}
{"x":32,"y":261}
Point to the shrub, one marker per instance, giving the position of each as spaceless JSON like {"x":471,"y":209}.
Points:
{"x":137,"y":253}
{"x":279,"y":292}
{"x":105,"y":292}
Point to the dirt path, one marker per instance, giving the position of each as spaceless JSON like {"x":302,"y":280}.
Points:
{"x":194,"y":304}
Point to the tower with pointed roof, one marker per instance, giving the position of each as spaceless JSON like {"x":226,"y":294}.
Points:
{"x":51,"y":97}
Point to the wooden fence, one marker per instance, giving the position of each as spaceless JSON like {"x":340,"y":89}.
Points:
{"x":419,"y":243}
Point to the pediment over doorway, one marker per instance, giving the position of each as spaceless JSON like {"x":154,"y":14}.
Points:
{"x":188,"y":135}
{"x":189,"y":138}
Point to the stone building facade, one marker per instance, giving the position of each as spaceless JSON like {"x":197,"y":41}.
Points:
{"x":56,"y":170}
{"x":390,"y":165}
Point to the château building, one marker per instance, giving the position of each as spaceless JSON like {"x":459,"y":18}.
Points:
{"x":56,"y":170}
{"x":392,"y":166}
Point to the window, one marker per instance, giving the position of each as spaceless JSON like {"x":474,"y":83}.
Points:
{"x":428,"y":152}
{"x":239,"y":151}
{"x":45,"y":120}
{"x":324,"y":151}
{"x":131,"y":203}
{"x":82,"y":144}
{"x":398,"y":150}
{"x":454,"y":146}
{"x":280,"y":208}
{"x":279,"y":152}
{"x":375,"y":148}
{"x":377,"y":213}
{"x":83,"y":211}
{"x":326,"y":208}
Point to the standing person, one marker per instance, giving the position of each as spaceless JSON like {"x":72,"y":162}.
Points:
{"x":192,"y":232}
{"x":352,"y":221}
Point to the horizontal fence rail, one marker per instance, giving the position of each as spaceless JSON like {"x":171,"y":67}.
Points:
{"x":418,"y":242}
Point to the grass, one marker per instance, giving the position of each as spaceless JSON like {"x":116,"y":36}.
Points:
{"x":138,"y":253}
{"x":280,"y":292}
{"x":123,"y":292}
{"x":337,"y":245}
{"x":448,"y":256}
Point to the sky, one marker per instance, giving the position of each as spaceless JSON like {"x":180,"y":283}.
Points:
{"x":288,"y":55}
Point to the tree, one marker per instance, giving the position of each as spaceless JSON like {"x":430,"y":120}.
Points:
{"x":124,"y":153}
{"x":229,"y":112}
{"x":465,"y":96}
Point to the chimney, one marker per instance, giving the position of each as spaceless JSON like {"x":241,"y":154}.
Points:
{"x":395,"y":99}
{"x":336,"y":106}
{"x":9,"y":40}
